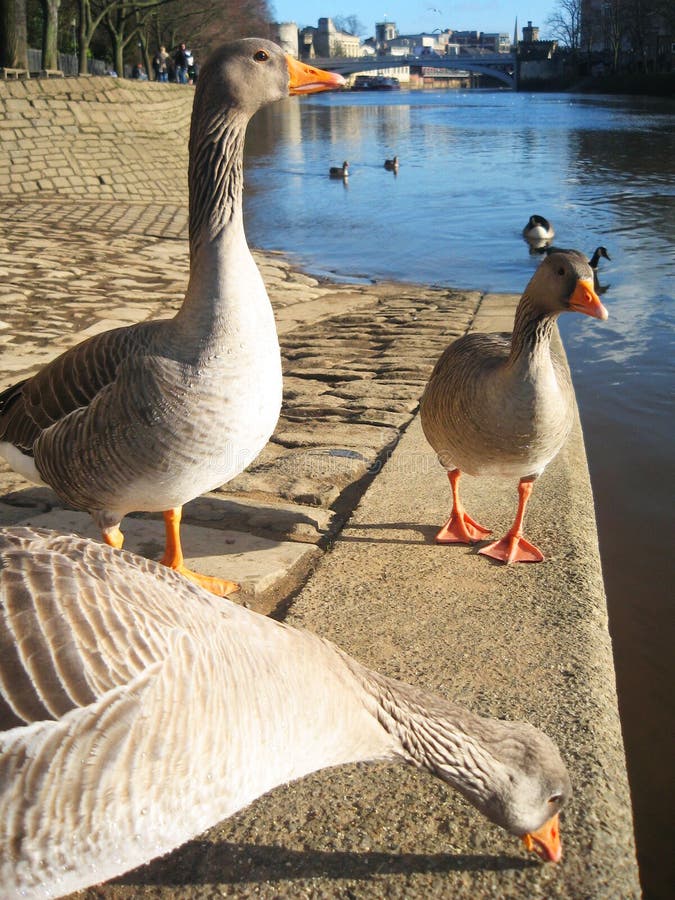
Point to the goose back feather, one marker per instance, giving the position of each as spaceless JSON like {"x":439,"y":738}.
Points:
{"x":138,"y":711}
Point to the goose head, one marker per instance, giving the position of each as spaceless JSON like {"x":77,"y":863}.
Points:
{"x":597,"y":254}
{"x":252,"y":72}
{"x":529,"y":788}
{"x":564,"y":283}
{"x":510,"y":771}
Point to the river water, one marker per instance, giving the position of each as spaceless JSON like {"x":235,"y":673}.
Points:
{"x":474,"y":165}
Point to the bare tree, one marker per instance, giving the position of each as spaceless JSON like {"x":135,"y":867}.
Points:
{"x":564,"y":23}
{"x":349,"y":24}
{"x":50,"y":33}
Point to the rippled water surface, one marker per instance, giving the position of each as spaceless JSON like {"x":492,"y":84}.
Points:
{"x":473,"y":166}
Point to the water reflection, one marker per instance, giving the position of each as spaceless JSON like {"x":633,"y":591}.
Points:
{"x":474,"y":167}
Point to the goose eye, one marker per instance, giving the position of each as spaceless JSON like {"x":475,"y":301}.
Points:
{"x":561,"y":271}
{"x":555,"y":799}
{"x":260,"y":56}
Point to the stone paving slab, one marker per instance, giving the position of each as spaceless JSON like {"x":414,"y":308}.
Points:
{"x":256,"y":563}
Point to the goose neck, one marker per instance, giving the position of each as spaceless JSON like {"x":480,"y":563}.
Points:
{"x":441,"y":737}
{"x":532,"y":331}
{"x":215,"y":174}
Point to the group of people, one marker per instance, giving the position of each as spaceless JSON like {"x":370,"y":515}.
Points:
{"x":180,"y":68}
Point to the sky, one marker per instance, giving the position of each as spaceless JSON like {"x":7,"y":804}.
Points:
{"x":414,"y":16}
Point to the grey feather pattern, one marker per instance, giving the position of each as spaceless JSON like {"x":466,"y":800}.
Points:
{"x":142,"y":710}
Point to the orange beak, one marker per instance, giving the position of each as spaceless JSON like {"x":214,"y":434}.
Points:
{"x":546,"y":840}
{"x":585,"y":300}
{"x":306,"y":79}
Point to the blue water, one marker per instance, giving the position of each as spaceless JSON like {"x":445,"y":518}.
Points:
{"x":473,"y":166}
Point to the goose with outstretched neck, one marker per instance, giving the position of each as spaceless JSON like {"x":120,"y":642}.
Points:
{"x":503,"y":405}
{"x":149,"y":416}
{"x":138,"y":710}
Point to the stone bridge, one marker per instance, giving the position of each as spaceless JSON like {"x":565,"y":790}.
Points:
{"x":501,"y":66}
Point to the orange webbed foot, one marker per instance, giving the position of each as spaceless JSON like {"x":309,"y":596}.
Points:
{"x":461,"y":529}
{"x":221,"y":587}
{"x":513,"y":548}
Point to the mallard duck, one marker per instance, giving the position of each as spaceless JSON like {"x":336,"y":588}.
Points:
{"x":139,"y":710}
{"x":538,"y":232}
{"x":149,"y":416}
{"x":339,"y":171}
{"x":504,"y":405}
{"x":391,"y":164}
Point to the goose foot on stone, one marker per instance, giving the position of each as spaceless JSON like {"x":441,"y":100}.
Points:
{"x":460,"y":527}
{"x":513,"y":548}
{"x":173,"y":558}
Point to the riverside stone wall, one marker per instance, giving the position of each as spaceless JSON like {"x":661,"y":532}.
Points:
{"x":102,"y":138}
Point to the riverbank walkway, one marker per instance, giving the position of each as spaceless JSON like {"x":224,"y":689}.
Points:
{"x":332,"y":527}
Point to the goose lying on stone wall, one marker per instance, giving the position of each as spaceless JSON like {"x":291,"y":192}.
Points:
{"x":391,"y":164}
{"x":149,"y":416}
{"x":339,"y":171}
{"x":538,"y":232}
{"x":138,"y":710}
{"x":504,"y":404}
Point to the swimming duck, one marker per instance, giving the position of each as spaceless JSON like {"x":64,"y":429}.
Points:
{"x":504,"y":405}
{"x":339,"y":171}
{"x":148,"y":710}
{"x":391,"y":164}
{"x":149,"y":416}
{"x":538,"y":232}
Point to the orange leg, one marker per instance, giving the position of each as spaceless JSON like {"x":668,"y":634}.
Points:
{"x":173,"y":558}
{"x":513,"y":547}
{"x":460,"y":527}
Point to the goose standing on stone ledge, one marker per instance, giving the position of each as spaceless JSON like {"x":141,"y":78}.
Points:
{"x":137,"y":711}
{"x":504,"y":404}
{"x":149,"y":416}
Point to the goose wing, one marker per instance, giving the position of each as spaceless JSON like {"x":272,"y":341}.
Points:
{"x":80,"y":621}
{"x":69,"y":382}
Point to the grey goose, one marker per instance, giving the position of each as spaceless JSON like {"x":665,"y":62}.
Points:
{"x":138,"y":710}
{"x":149,"y":416}
{"x":503,"y":405}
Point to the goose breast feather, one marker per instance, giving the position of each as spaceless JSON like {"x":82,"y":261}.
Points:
{"x":482,"y":417}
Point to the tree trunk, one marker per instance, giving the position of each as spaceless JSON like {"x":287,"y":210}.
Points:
{"x":13,"y":47}
{"x":50,"y":34}
{"x":83,"y":34}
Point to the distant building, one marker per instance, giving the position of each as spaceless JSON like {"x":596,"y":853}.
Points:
{"x":531,"y":48}
{"x":656,"y":37}
{"x":326,"y":40}
{"x":530,"y":33}
{"x":286,"y":35}
{"x":385,"y":32}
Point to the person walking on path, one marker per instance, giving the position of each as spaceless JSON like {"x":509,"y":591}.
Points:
{"x":160,"y":64}
{"x":181,"y":61}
